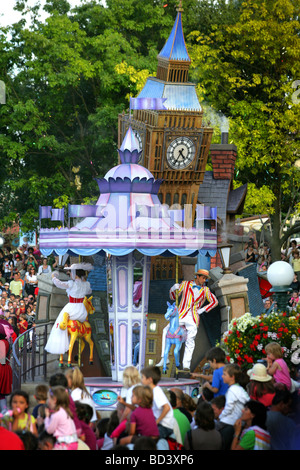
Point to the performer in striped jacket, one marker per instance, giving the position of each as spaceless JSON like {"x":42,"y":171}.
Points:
{"x":193,"y":296}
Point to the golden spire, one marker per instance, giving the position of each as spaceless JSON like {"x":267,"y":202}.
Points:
{"x":179,"y":8}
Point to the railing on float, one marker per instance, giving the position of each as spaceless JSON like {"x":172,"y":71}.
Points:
{"x":29,"y":357}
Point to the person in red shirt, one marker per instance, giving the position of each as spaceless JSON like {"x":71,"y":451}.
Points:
{"x":9,"y":440}
{"x":260,"y":387}
{"x":5,"y":368}
{"x":23,"y":324}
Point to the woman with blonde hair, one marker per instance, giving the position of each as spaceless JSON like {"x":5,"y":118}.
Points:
{"x":78,"y":390}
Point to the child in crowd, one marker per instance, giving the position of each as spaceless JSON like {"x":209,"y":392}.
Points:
{"x":216,"y":358}
{"x":60,"y":379}
{"x":236,"y":395}
{"x":59,"y":421}
{"x":142,"y":420}
{"x":277,"y":367}
{"x":12,"y":320}
{"x":85,"y":413}
{"x":101,"y":429}
{"x":113,"y":422}
{"x":79,"y":391}
{"x":260,"y":387}
{"x":40,"y":419}
{"x":131,"y":378}
{"x":120,"y":430}
{"x":41,"y":393}
{"x":19,"y":403}
{"x":293,"y":302}
{"x":189,"y":404}
{"x":29,"y":440}
{"x":46,"y":441}
{"x":226,"y":430}
{"x":161,"y":407}
{"x":182,"y":423}
{"x":23,"y":324}
{"x":296,"y":263}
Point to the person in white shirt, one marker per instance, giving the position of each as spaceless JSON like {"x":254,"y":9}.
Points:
{"x":236,"y":396}
{"x":45,"y":268}
{"x":161,"y":407}
{"x":79,"y":391}
{"x":31,"y":280}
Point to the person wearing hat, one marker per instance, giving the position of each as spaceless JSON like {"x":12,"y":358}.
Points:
{"x":261,"y":387}
{"x":193,"y":294}
{"x":77,"y":288}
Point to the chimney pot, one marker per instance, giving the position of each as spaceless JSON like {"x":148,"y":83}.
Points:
{"x":224,"y":137}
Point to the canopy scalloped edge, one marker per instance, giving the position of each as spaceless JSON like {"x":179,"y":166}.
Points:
{"x":125,"y":251}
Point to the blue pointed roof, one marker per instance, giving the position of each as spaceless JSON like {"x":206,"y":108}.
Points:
{"x":130,"y":141}
{"x":175,"y":47}
{"x":129,"y":150}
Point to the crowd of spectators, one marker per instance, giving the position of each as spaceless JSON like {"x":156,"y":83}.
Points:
{"x":261,"y":256}
{"x":234,"y":411}
{"x":19,"y":274}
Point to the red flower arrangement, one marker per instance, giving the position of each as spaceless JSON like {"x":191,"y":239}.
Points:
{"x":245,"y":341}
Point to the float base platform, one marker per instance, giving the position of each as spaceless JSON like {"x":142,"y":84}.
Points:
{"x":105,"y":391}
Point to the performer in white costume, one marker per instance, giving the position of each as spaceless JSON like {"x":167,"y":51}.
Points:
{"x":77,"y":288}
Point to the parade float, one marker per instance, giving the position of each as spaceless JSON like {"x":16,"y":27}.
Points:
{"x":128,"y":224}
{"x":147,"y":208}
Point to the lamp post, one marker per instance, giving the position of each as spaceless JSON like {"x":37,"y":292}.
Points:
{"x":224,"y":250}
{"x":280,"y":275}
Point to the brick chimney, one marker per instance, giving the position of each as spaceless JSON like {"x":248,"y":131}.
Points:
{"x":223,"y":157}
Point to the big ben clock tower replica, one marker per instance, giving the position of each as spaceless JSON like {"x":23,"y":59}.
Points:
{"x":173,"y":141}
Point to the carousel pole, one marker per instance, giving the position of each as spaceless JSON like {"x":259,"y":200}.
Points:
{"x":79,"y":339}
{"x":176,"y":278}
{"x":79,"y":352}
{"x":176,"y":298}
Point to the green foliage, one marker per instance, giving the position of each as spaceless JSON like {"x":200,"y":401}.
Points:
{"x":258,"y":201}
{"x":246,"y":70}
{"x":67,"y":78}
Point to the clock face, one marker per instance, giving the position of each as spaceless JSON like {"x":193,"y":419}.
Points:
{"x":180,"y":153}
{"x":140,"y":142}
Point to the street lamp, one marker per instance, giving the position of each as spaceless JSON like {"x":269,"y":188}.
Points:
{"x":224,"y":251}
{"x":280,"y":275}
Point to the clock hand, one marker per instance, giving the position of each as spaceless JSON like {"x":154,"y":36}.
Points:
{"x":180,"y":154}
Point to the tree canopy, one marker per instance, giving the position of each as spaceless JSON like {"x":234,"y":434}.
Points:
{"x":247,"y":71}
{"x":67,"y":78}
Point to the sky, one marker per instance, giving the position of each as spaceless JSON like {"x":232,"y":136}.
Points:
{"x":8,"y":15}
